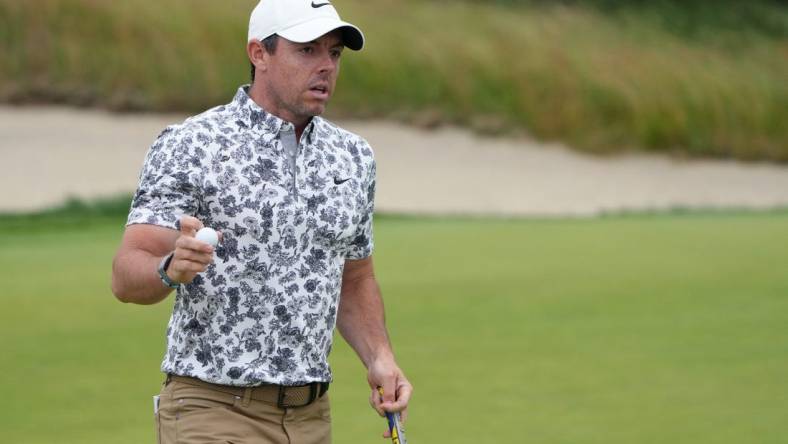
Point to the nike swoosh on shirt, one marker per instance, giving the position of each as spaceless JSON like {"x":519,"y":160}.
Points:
{"x":319,"y":5}
{"x":338,"y":181}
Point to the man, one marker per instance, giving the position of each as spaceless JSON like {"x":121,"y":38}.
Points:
{"x":292,"y":196}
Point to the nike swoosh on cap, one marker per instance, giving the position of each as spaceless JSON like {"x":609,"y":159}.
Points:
{"x":318,"y":5}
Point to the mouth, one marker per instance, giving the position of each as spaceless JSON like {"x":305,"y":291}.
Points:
{"x":320,"y":91}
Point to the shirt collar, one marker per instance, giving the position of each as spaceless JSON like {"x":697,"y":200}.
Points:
{"x":256,"y":117}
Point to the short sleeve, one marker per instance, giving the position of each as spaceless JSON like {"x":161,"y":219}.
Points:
{"x":362,"y":244}
{"x":167,"y":187}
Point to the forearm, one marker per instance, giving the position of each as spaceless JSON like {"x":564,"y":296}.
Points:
{"x":135,"y":278}
{"x":361,"y":320}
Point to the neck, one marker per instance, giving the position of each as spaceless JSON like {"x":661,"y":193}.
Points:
{"x":261,"y":97}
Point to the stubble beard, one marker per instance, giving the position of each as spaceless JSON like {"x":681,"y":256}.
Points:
{"x":299,"y":108}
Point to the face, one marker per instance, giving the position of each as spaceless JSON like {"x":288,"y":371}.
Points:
{"x":299,"y":78}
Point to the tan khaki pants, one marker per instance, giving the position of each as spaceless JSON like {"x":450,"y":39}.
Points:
{"x":189,"y":414}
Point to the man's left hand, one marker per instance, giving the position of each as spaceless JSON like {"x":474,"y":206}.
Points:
{"x":396,"y":389}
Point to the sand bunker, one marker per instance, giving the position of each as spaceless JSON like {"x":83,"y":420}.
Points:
{"x":51,"y":153}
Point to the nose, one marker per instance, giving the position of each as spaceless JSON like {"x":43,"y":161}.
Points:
{"x":327,"y":63}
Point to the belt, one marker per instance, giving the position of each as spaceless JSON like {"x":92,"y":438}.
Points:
{"x":283,"y":396}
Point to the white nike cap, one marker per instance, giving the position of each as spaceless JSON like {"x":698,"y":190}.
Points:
{"x":301,"y":21}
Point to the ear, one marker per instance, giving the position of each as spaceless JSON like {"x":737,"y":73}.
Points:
{"x":257,"y":55}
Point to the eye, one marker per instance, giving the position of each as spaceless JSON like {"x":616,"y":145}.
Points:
{"x":336,"y":53}
{"x":307,"y":50}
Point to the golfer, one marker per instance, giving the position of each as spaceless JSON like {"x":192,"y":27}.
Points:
{"x":292,"y":196}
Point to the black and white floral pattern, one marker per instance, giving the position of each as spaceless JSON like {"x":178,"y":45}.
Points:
{"x":265,"y":310}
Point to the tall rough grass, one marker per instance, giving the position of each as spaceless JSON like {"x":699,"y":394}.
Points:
{"x":600,"y":79}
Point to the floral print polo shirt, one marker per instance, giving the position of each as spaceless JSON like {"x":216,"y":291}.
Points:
{"x":265,"y":310}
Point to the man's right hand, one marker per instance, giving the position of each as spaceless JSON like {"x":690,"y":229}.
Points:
{"x":191,"y":256}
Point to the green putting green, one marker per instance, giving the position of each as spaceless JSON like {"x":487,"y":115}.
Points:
{"x":663,"y":329}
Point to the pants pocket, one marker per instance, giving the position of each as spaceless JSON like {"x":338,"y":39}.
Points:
{"x":156,"y":418}
{"x":188,"y":399}
{"x":202,"y":415}
{"x":165,"y":417}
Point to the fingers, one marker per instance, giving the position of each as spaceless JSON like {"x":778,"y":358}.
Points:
{"x":375,"y":402}
{"x":190,"y":243}
{"x":404,"y":391}
{"x":191,"y":256}
{"x":395,"y":400}
{"x":189,"y":225}
{"x":184,"y":270}
{"x":391,"y":403}
{"x":390,"y":390}
{"x":389,"y":394}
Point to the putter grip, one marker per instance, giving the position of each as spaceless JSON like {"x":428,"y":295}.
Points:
{"x":395,"y":425}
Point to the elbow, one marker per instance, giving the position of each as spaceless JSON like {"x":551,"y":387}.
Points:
{"x":116,"y":284}
{"x":118,"y":291}
{"x":128,"y":294}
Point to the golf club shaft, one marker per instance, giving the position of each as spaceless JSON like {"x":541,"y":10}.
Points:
{"x":396,"y":429}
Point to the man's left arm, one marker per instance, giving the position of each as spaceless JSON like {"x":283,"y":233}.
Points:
{"x":361,"y":321}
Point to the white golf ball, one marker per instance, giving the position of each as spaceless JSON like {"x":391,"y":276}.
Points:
{"x":208,"y":235}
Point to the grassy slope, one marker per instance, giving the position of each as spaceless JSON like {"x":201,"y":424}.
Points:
{"x":648,"y":330}
{"x":602,"y":80}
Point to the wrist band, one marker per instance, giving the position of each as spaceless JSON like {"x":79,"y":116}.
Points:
{"x":163,"y":265}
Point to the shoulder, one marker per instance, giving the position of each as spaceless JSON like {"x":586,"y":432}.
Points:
{"x":210,"y":121}
{"x":192,"y":137}
{"x":182,"y":148}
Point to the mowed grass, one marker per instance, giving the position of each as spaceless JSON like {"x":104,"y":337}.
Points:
{"x":667,"y":329}
{"x":693,"y":77}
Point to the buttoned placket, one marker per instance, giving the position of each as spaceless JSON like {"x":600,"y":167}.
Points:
{"x":291,"y":148}
{"x":294,"y":150}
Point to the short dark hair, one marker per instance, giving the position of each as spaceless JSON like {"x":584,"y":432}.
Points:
{"x":269,"y":44}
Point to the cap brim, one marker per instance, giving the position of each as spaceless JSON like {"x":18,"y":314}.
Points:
{"x":352,"y":37}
